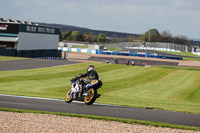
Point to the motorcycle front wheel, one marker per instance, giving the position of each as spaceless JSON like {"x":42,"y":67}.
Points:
{"x":68,"y":97}
{"x":92,"y":96}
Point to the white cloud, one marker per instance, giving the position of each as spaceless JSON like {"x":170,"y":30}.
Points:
{"x":27,"y":2}
{"x":17,"y":2}
{"x":67,"y":7}
{"x":188,"y":4}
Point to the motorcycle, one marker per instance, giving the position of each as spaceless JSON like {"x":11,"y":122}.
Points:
{"x":89,"y":93}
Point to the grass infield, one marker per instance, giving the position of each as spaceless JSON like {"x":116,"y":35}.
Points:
{"x":164,"y":88}
{"x":9,"y":58}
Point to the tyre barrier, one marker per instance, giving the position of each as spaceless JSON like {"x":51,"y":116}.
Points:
{"x":51,"y":58}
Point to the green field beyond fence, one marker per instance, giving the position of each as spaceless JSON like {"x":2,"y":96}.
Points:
{"x":192,"y":56}
{"x":9,"y":58}
{"x":166,"y":88}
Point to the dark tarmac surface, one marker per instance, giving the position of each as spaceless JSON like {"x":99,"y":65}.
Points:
{"x":21,"y":64}
{"x":101,"y":110}
{"x":161,"y":53}
{"x":138,"y":62}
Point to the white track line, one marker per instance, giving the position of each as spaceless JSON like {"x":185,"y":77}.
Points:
{"x":52,"y":99}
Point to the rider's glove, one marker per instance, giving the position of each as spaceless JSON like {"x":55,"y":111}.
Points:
{"x":73,"y":79}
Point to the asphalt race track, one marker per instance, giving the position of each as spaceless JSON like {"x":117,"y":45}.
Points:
{"x":123,"y":61}
{"x":100,"y":110}
{"x":21,"y":64}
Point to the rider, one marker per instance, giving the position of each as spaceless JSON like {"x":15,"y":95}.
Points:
{"x":91,"y":74}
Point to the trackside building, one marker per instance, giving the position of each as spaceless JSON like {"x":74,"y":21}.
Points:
{"x":28,"y":40}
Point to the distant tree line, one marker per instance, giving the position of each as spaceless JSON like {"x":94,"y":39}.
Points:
{"x":85,"y":37}
{"x":153,"y":35}
{"x":116,"y":37}
{"x":82,"y":30}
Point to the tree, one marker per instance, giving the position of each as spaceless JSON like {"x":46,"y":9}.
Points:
{"x":66,"y":34}
{"x":75,"y":36}
{"x":94,"y":39}
{"x":166,"y":36}
{"x":101,"y":38}
{"x":151,"y":35}
{"x":87,"y":37}
{"x":180,"y":40}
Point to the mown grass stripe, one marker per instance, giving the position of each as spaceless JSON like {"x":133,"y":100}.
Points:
{"x":166,"y":88}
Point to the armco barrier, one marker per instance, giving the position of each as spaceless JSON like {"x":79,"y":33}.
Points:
{"x":153,"y":48}
{"x":78,"y":50}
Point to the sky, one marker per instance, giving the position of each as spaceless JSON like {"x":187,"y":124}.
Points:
{"x":178,"y":17}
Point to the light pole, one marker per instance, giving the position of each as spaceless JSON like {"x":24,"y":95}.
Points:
{"x":149,"y":39}
{"x":149,"y":36}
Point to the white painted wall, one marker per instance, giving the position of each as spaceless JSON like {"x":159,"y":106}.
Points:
{"x":196,"y":53}
{"x":33,"y":41}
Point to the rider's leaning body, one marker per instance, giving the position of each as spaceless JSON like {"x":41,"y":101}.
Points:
{"x":91,"y":74}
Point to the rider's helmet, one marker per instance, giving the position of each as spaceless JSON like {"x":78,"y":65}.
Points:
{"x":90,"y":67}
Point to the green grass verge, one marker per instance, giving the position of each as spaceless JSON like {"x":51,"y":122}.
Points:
{"x":9,"y":58}
{"x":130,"y":121}
{"x":164,"y":88}
{"x":191,"y":59}
{"x":181,"y":53}
{"x":79,"y":46}
{"x":113,"y":48}
{"x":184,"y":54}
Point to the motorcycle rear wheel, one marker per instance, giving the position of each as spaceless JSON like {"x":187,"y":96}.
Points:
{"x":92,"y":96}
{"x":68,"y":97}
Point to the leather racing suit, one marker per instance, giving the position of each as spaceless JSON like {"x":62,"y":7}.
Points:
{"x":92,"y":75}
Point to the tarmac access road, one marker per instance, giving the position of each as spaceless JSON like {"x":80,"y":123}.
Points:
{"x":54,"y":105}
{"x":139,"y":61}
